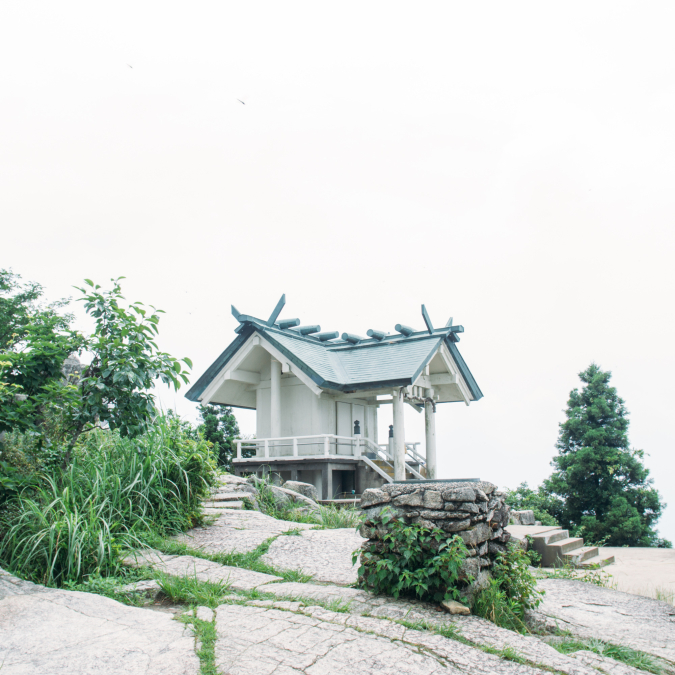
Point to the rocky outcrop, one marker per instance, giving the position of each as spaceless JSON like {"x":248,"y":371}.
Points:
{"x":283,"y":496}
{"x":474,"y":511}
{"x":306,"y":489}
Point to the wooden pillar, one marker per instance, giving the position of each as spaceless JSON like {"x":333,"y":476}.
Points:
{"x":399,"y":435}
{"x":430,"y":430}
{"x":275,"y":400}
{"x":327,"y":481}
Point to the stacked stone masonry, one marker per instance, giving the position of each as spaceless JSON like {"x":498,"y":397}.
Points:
{"x":474,"y":511}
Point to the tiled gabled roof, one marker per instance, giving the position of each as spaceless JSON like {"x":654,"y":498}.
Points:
{"x":396,"y":360}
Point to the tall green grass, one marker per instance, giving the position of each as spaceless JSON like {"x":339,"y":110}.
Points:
{"x":116,"y":492}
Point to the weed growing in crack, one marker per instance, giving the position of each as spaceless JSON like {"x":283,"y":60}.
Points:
{"x":110,"y":587}
{"x":510,"y":654}
{"x":630,"y":657}
{"x":249,"y":561}
{"x":205,"y":635}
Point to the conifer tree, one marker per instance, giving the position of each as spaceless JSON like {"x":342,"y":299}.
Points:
{"x":605,"y":486}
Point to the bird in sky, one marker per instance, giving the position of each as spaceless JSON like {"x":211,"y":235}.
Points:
{"x":129,"y":66}
{"x":240,"y":101}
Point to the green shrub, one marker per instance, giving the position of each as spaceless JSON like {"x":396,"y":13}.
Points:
{"x":412,"y":560}
{"x":511,"y":592}
{"x":114,"y":493}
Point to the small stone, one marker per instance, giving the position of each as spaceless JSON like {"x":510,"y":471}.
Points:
{"x":496,"y":532}
{"x":450,"y":507}
{"x":440,"y":515}
{"x":424,"y":523}
{"x":375,"y":512}
{"x":373,"y":497}
{"x":432,"y":500}
{"x":468,"y":507}
{"x":460,"y":495}
{"x":476,"y":535}
{"x":412,"y":499}
{"x":480,"y":495}
{"x":455,"y":525}
{"x":454,"y":607}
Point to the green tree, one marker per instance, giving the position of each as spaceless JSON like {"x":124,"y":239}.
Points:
{"x":219,"y":426}
{"x":604,"y":484}
{"x":113,"y":391}
{"x":35,"y":340}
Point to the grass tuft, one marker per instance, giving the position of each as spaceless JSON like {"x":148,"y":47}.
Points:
{"x":191,"y":591}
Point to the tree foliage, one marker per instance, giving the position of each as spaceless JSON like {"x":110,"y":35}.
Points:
{"x":219,"y":426}
{"x":112,"y":392}
{"x":603,"y":483}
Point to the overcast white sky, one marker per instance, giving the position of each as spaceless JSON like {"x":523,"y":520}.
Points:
{"x":507,"y":164}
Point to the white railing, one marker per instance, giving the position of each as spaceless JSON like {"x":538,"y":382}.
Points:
{"x":321,"y":445}
{"x":324,"y":445}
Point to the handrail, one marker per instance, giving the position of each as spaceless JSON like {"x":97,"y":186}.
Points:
{"x":357,"y":443}
{"x":374,"y":466}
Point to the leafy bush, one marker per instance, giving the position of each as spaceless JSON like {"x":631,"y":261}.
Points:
{"x":412,"y":560}
{"x":512,"y":591}
{"x":113,"y":494}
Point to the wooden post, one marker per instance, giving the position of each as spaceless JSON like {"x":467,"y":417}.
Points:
{"x":399,"y":435}
{"x":275,"y":400}
{"x":430,"y":432}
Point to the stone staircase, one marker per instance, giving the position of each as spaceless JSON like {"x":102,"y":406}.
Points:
{"x":389,"y":470}
{"x":223,"y":497}
{"x":556,"y":547}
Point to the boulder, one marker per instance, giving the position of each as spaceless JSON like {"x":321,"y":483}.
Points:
{"x":522,"y":517}
{"x":295,"y":497}
{"x":306,"y":489}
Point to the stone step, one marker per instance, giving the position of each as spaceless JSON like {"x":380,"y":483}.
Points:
{"x":567,"y":545}
{"x":580,"y":554}
{"x":601,"y":560}
{"x":223,"y":505}
{"x":551,"y":536}
{"x":229,"y":496}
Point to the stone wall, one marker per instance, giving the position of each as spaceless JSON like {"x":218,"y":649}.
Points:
{"x":474,"y":511}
